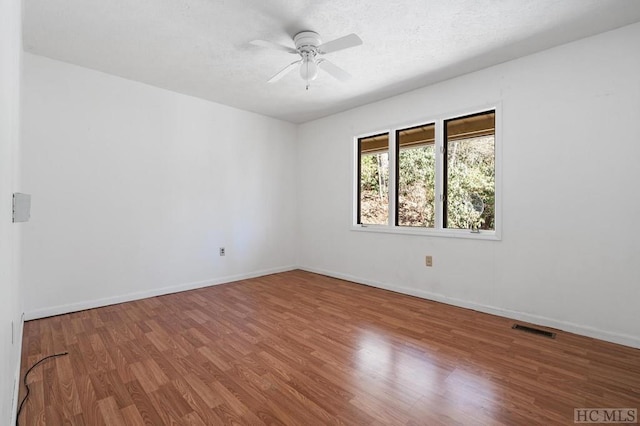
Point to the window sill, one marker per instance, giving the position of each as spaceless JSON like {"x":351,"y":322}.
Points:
{"x":448,"y":233}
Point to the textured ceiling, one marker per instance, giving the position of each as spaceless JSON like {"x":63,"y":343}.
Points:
{"x":200,"y":47}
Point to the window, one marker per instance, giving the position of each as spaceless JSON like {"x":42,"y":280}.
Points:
{"x":373,"y":184}
{"x":436,"y":178}
{"x":416,"y":176}
{"x":470,"y":172}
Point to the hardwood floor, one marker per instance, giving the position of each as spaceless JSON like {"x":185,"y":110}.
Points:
{"x":303,"y":349}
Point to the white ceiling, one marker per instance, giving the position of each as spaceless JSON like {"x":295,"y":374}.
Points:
{"x":200,"y":47}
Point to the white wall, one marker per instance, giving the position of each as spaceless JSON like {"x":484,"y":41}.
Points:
{"x":571,"y":169}
{"x":10,"y":298}
{"x":135,"y":189}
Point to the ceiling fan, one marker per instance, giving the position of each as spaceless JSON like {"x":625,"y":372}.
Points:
{"x":310,"y":48}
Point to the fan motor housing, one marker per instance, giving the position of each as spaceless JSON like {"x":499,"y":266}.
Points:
{"x":307,"y":41}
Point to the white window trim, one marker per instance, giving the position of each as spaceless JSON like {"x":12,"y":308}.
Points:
{"x":438,"y":230}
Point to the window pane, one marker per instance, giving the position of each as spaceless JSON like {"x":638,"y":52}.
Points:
{"x":470,"y":172}
{"x":373,"y":158}
{"x":416,"y":176}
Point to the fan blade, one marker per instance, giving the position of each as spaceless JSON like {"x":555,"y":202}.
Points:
{"x":284,"y":71}
{"x":345,"y":42}
{"x":334,"y":70}
{"x":273,"y":46}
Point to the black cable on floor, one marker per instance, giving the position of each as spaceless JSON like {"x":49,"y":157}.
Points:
{"x":27,"y":386}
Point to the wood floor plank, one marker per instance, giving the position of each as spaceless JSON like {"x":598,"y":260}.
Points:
{"x":143,"y":403}
{"x":68,"y":388}
{"x":132,"y":416}
{"x":35,"y":410}
{"x":198,"y":402}
{"x":88,"y":401}
{"x":109,"y":384}
{"x":110,"y":412}
{"x":305,"y":349}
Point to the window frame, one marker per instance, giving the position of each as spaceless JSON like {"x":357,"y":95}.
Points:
{"x":438,"y":230}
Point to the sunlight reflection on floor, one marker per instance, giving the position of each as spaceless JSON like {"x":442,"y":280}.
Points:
{"x":413,"y":373}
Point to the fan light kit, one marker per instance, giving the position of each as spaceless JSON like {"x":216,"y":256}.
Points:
{"x":310,"y":48}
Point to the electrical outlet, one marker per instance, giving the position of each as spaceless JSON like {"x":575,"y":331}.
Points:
{"x":428,"y":261}
{"x":222,"y":251}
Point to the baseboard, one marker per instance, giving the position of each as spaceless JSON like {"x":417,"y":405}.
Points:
{"x":97,"y":303}
{"x":621,"y":339}
{"x":618,"y":338}
{"x":16,"y":378}
{"x":16,"y":394}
